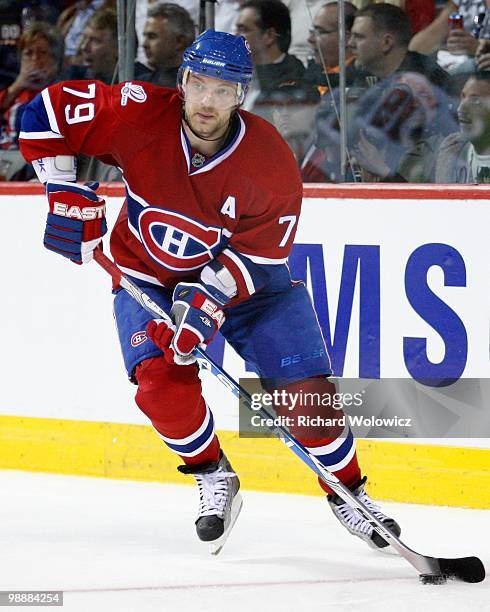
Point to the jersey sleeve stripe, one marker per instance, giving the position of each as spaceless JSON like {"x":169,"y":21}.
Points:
{"x":50,"y":111}
{"x":239,"y":272}
{"x":135,"y":197}
{"x":36,"y":123}
{"x":141,"y":276}
{"x":39,"y":135}
{"x":134,"y":231}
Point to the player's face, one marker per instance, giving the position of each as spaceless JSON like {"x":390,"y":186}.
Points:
{"x":474,"y":110}
{"x":208,"y":104}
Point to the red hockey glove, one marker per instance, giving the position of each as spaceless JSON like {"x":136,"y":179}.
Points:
{"x":76,"y":220}
{"x":197,"y":312}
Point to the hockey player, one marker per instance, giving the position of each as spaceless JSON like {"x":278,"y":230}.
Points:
{"x":213,"y":196}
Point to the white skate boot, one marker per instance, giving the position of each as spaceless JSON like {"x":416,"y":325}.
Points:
{"x":359,"y":526}
{"x":219,"y":500}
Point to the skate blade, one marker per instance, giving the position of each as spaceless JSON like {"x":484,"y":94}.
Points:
{"x":236,"y":506}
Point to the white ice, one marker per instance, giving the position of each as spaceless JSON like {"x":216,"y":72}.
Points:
{"x":126,"y":546}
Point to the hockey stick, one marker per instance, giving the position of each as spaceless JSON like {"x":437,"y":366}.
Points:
{"x":431,"y":569}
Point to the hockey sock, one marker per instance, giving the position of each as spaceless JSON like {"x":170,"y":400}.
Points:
{"x":326,"y":434}
{"x":349,"y":475}
{"x":170,"y":396}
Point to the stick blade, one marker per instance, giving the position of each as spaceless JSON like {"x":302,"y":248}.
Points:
{"x":467,"y":569}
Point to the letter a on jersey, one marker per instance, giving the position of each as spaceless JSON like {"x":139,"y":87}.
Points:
{"x":177,"y":242}
{"x":228,"y":207}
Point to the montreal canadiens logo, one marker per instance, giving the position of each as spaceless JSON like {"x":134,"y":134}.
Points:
{"x":138,"y":338}
{"x":177,"y":242}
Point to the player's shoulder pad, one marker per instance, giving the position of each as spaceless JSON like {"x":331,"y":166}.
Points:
{"x":144,"y":104}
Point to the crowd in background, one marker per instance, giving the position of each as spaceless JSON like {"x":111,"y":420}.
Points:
{"x":417,"y":77}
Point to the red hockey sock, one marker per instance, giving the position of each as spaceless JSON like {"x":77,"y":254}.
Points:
{"x":332,"y":445}
{"x":349,"y":475}
{"x":170,"y":396}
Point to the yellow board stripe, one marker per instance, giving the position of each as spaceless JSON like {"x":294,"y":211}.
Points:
{"x":425,"y":474}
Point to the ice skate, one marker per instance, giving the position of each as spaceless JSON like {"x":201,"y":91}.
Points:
{"x":359,"y":526}
{"x":219,"y":500}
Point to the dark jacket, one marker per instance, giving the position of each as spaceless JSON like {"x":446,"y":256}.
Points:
{"x":413,"y":62}
{"x":423,"y":64}
{"x":270,"y":76}
{"x":164,"y":78}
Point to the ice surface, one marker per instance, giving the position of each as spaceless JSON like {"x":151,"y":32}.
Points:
{"x":128,"y":546}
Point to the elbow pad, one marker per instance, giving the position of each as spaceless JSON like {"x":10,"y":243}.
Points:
{"x":59,"y":168}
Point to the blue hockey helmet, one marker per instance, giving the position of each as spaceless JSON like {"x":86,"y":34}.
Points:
{"x":219,"y":55}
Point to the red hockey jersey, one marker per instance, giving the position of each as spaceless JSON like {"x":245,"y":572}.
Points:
{"x":241,"y":206}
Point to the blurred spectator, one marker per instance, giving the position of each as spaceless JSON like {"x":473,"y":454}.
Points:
{"x":98,"y":52}
{"x":481,"y":27}
{"x":140,"y":17}
{"x":464,"y":157}
{"x":10,"y":31}
{"x":321,"y":164}
{"x":459,"y":41}
{"x":301,"y":13}
{"x":72,"y":22}
{"x":400,"y":126}
{"x":379,"y":40}
{"x":324,"y":43}
{"x":168,"y":31}
{"x":468,"y":65}
{"x":98,"y":48}
{"x":15,"y":17}
{"x":395,"y":129}
{"x":41,"y":53}
{"x":34,"y":11}
{"x":420,"y":12}
{"x":266,"y":24}
{"x":225,"y":13}
{"x":293,"y":114}
{"x":482,"y":56}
